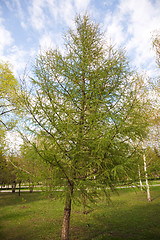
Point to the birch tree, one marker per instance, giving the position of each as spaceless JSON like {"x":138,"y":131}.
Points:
{"x":139,"y":175}
{"x":86,"y":105}
{"x":146,"y":178}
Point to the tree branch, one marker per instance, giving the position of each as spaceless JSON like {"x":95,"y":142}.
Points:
{"x":19,"y":168}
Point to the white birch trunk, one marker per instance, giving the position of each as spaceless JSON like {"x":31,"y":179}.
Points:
{"x":146,"y":177}
{"x":139,"y":173}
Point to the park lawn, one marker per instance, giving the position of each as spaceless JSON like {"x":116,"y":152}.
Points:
{"x":38,"y":216}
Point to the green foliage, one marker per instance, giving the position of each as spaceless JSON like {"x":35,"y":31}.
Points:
{"x":7,"y":80}
{"x":88,"y":109}
{"x":35,"y":170}
{"x":3,"y":169}
{"x":8,"y":87}
{"x":153,"y":162}
{"x":7,"y":171}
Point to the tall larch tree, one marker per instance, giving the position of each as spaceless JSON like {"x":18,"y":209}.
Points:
{"x":87,"y":107}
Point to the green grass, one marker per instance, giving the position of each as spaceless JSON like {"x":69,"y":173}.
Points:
{"x":36,"y":216}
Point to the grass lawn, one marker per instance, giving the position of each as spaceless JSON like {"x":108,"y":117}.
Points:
{"x":36,"y":216}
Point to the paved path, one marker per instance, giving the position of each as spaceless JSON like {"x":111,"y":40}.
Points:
{"x":34,"y":190}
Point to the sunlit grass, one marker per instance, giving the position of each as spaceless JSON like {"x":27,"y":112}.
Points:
{"x":37,"y":216}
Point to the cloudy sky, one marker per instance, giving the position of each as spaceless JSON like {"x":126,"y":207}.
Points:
{"x":28,"y":25}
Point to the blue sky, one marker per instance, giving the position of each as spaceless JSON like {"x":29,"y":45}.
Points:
{"x":28,"y":25}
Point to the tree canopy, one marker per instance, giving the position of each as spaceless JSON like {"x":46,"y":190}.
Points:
{"x":8,"y":85}
{"x":87,"y":108}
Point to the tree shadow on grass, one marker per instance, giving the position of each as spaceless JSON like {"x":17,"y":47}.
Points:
{"x":121,"y":221}
{"x":36,"y":227}
{"x":13,"y":199}
{"x":133,"y":219}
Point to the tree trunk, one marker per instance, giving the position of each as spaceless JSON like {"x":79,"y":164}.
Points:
{"x":139,"y":173}
{"x":67,"y":212}
{"x":19,"y":188}
{"x":13,"y":187}
{"x":146,"y":177}
{"x":84,"y":203}
{"x":31,"y":186}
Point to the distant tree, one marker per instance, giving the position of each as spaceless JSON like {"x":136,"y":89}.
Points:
{"x":36,"y":170}
{"x":156,"y":118}
{"x":3,"y":169}
{"x":7,"y":172}
{"x":153,"y":162}
{"x":151,"y":152}
{"x":4,"y":173}
{"x":156,"y":45}
{"x":87,"y":106}
{"x":8,"y":87}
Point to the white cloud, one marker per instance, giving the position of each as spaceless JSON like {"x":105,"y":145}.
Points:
{"x":9,"y":4}
{"x":132,"y":25}
{"x":19,"y":59}
{"x":5,"y":38}
{"x":8,"y":50}
{"x":53,"y":8}
{"x":67,"y":12}
{"x":46,"y":13}
{"x":113,"y":25}
{"x":46,"y":42}
{"x":144,"y":19}
{"x":14,"y":141}
{"x":81,"y":5}
{"x":49,"y":12}
{"x":20,"y":12}
{"x":37,"y":16}
{"x":128,"y":23}
{"x":15,"y":7}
